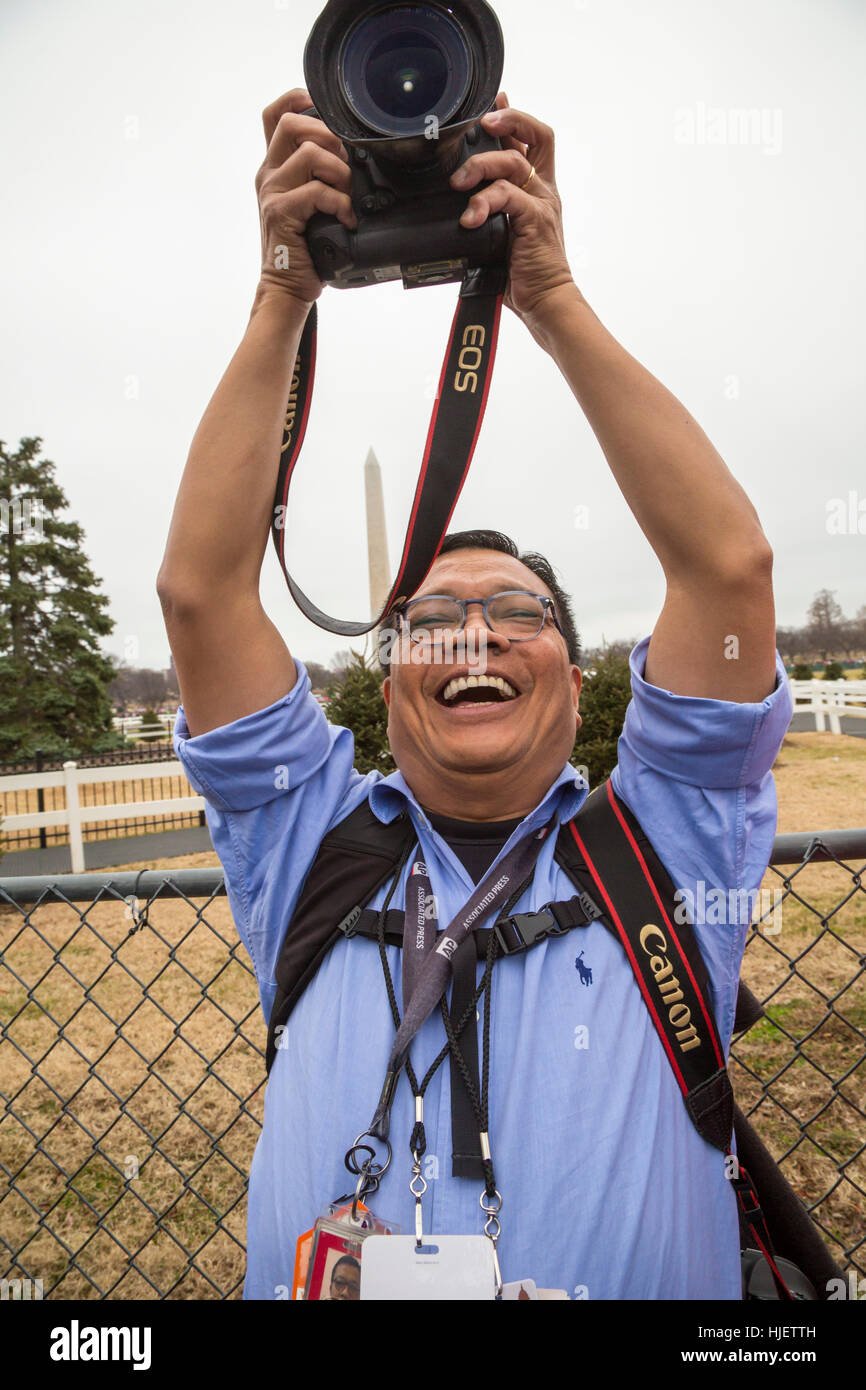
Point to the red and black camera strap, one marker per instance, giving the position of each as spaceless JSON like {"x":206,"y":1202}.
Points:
{"x":454,"y":429}
{"x":671,"y":975}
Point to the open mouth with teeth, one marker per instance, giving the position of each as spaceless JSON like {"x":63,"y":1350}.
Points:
{"x":477,"y":690}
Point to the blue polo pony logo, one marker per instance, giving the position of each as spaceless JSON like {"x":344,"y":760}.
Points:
{"x":583,"y":970}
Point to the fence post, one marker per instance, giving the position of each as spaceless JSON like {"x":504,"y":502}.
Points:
{"x":818,"y":706}
{"x":836,"y":700}
{"x":40,"y":799}
{"x":76,"y":840}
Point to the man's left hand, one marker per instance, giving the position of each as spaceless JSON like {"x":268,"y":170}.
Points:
{"x":538,"y":263}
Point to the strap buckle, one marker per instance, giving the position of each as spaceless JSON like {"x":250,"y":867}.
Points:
{"x":349,"y":924}
{"x":524,"y":929}
{"x":589,"y":907}
{"x":743,"y":1186}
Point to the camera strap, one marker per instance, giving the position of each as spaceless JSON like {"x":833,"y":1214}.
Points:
{"x":454,"y":429}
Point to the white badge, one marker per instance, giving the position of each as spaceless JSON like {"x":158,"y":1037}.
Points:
{"x":446,"y":1267}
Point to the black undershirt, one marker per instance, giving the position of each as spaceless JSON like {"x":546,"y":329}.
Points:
{"x":476,"y":843}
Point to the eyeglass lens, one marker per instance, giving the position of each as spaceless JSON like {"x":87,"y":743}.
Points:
{"x":512,"y":615}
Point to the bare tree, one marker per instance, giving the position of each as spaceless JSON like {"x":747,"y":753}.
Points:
{"x":825,"y":619}
{"x":320,"y":676}
{"x":790,"y":643}
{"x":133,"y":686}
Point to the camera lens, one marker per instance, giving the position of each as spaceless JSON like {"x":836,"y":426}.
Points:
{"x":404,"y":64}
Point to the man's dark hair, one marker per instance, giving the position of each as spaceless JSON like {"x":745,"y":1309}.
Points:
{"x":542,"y":568}
{"x":345,"y":1260}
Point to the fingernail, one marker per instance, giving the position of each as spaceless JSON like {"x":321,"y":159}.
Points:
{"x":492,"y":118}
{"x":470,"y":217}
{"x":461,"y":177}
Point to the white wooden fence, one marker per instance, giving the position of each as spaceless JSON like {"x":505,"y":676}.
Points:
{"x":829,"y":701}
{"x":75,"y":816}
{"x":130,"y":725}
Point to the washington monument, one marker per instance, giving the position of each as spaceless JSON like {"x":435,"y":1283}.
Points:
{"x":377,"y":538}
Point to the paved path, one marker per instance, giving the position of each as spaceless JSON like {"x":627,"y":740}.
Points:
{"x":805,"y":724}
{"x":103,"y":854}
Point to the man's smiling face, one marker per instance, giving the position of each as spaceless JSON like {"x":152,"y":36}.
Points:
{"x":503,"y":742}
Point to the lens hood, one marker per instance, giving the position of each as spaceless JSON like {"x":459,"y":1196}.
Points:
{"x":324,"y":65}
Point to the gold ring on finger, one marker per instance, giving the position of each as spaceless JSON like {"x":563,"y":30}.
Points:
{"x":524,"y":186}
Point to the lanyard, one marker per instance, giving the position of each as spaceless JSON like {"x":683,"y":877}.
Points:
{"x":427,"y":963}
{"x":430,"y":956}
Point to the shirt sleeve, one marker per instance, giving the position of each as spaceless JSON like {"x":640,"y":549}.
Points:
{"x":697,"y":773}
{"x":707,"y":743}
{"x":261,"y":757}
{"x":274,"y":783}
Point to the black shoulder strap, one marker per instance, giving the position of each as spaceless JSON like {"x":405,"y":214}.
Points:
{"x":605,"y":851}
{"x":354,"y":860}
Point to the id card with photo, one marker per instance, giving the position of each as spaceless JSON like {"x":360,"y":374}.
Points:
{"x":329,"y":1256}
{"x":334,"y":1274}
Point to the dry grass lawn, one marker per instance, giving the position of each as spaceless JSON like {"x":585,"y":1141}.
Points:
{"x":129,"y":1152}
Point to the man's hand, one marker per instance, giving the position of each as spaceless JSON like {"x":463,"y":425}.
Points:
{"x":306,"y":170}
{"x":538,"y":263}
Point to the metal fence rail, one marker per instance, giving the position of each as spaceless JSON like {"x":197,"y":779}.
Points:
{"x":131,"y":1059}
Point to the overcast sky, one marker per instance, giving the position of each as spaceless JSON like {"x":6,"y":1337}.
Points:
{"x":734,"y":271}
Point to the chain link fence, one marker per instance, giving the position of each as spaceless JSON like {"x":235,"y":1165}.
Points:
{"x":132,"y":1070}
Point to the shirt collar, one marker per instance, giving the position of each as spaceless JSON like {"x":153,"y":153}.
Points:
{"x":564,"y":799}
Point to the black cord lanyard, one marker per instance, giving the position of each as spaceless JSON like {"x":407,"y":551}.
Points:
{"x":522,"y":857}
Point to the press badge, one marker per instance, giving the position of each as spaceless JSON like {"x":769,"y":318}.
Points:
{"x":328,"y":1257}
{"x":445,"y":1268}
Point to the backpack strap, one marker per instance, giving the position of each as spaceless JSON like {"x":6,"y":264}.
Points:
{"x":353,"y":862}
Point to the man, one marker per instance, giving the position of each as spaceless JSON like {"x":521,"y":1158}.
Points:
{"x":608,"y":1190}
{"x":345,"y":1280}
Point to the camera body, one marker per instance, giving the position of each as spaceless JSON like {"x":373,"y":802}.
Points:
{"x":408,"y":224}
{"x":404,"y":84}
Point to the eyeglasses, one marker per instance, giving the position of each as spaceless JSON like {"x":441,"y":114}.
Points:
{"x":345,"y":1285}
{"x":514,"y":614}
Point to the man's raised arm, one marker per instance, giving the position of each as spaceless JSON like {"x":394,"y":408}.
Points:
{"x":231,"y":660}
{"x":715,"y":637}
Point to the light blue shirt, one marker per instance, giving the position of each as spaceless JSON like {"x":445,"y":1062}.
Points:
{"x":608,"y":1190}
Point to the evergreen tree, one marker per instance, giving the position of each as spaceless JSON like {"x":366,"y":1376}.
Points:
{"x":150,"y":719}
{"x":802,"y":671}
{"x":604,"y":699}
{"x":53,"y":677}
{"x":356,"y":703}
